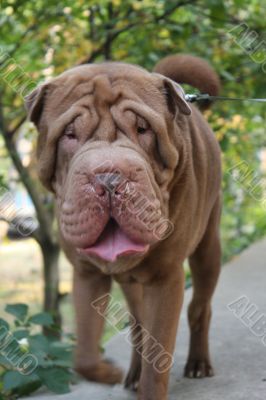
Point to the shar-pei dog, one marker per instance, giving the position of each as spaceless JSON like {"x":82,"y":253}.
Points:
{"x":136,"y":172}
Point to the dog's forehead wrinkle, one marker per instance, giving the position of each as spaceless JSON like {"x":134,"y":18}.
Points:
{"x":107,"y":84}
{"x":115,"y":71}
{"x":104,"y":93}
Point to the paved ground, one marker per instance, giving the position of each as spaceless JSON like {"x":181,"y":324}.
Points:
{"x":239,"y":356}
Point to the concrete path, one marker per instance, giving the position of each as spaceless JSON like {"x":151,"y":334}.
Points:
{"x":238,"y":351}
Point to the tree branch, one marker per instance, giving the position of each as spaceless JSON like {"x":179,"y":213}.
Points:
{"x":107,"y":49}
{"x":12,"y":132}
{"x":44,"y":217}
{"x":172,"y":9}
{"x":114,"y":33}
{"x":91,"y":23}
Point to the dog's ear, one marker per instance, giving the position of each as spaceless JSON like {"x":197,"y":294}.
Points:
{"x":175,"y":97}
{"x":45,"y":153}
{"x":34,"y":103}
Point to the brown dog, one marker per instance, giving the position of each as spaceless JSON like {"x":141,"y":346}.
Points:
{"x":136,"y":176}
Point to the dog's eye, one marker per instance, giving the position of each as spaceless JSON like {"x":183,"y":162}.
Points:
{"x":141,"y":130}
{"x":142,"y":126}
{"x":70,"y":131}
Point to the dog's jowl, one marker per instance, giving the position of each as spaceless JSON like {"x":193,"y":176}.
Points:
{"x":136,"y":176}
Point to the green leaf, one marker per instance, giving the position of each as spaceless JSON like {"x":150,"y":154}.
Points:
{"x":62,"y":363}
{"x":21,"y":334}
{"x":218,"y":12}
{"x":18,"y":310}
{"x":39,"y":346}
{"x":4,"y":324}
{"x":55,"y":379}
{"x":4,"y":363}
{"x":16,"y":382}
{"x":44,"y":319}
{"x":12,"y":380}
{"x":60,"y":350}
{"x":29,"y":387}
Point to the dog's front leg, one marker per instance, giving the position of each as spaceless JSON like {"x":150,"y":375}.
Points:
{"x":163,"y":300}
{"x":88,"y":288}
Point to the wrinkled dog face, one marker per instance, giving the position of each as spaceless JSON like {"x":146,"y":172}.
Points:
{"x":108,"y":149}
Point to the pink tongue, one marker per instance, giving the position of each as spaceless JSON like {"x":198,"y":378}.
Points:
{"x":113,"y":243}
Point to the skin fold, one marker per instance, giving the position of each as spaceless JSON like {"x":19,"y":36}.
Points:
{"x":136,"y":175}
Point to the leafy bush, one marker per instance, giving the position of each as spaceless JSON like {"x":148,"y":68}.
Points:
{"x":28,"y":358}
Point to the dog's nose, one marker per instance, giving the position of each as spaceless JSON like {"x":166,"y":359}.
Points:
{"x":109,"y":181}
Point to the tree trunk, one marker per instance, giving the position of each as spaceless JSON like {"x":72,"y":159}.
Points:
{"x":50,"y":254}
{"x":44,"y":235}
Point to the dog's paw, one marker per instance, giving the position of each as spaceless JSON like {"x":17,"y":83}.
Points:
{"x":198,"y":369}
{"x":103,"y":372}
